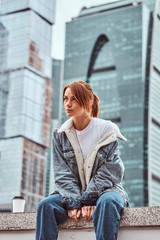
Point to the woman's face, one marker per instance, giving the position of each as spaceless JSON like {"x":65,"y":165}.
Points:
{"x":71,"y":106}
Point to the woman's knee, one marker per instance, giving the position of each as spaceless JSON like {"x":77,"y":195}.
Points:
{"x":111,"y":199}
{"x":49,"y":202}
{"x":43,"y":203}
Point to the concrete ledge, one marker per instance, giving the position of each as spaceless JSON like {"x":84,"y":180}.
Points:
{"x":132,"y":217}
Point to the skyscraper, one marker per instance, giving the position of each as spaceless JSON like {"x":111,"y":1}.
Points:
{"x":25,"y":98}
{"x":57,"y":76}
{"x":115,"y":47}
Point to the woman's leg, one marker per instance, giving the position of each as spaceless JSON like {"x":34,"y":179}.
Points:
{"x":106,"y":217}
{"x":50,"y":213}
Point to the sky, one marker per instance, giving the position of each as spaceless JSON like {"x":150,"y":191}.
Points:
{"x":65,"y":11}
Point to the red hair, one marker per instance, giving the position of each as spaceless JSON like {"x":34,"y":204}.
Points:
{"x":83,"y":93}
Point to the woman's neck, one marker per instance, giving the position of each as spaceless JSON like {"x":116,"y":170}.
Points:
{"x":81,"y":123}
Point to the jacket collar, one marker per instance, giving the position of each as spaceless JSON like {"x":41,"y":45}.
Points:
{"x":69,"y":124}
{"x":66,"y":126}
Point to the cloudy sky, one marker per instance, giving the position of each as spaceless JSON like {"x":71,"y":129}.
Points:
{"x":65,"y":10}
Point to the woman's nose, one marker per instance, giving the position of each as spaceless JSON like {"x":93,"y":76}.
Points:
{"x":69,"y":103}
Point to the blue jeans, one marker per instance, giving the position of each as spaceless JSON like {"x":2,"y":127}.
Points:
{"x":106,"y":217}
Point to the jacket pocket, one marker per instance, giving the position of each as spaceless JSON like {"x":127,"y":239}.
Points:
{"x":70,"y":159}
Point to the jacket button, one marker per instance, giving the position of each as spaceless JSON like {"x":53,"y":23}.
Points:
{"x":88,"y":166}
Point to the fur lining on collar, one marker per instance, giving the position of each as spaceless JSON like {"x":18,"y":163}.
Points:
{"x":66,"y":125}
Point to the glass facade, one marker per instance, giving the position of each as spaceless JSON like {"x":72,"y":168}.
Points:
{"x":23,"y":162}
{"x":3,"y":46}
{"x":10,"y":169}
{"x":57,"y":75}
{"x":57,"y":71}
{"x":33,"y":173}
{"x":44,"y":8}
{"x":26,"y":91}
{"x":154,"y":112}
{"x":26,"y":42}
{"x":109,"y":46}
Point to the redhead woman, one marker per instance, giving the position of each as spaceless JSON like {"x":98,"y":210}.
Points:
{"x":87,"y":167}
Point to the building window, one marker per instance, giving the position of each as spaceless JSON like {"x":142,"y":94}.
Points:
{"x":100,"y":42}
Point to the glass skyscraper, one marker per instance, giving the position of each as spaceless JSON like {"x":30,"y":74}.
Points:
{"x":25,"y":98}
{"x":57,"y":77}
{"x":116,"y":48}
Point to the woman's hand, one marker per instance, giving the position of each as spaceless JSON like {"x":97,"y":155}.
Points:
{"x":87,"y":212}
{"x":74,"y":213}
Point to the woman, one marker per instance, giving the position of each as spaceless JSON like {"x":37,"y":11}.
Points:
{"x":88,"y":169}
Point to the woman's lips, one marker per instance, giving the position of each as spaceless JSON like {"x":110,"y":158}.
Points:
{"x":69,"y":110}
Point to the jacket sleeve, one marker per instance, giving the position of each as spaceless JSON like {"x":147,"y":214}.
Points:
{"x":66,"y":181}
{"x":110,"y":171}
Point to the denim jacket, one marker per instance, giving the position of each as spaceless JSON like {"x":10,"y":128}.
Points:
{"x":81,"y":183}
